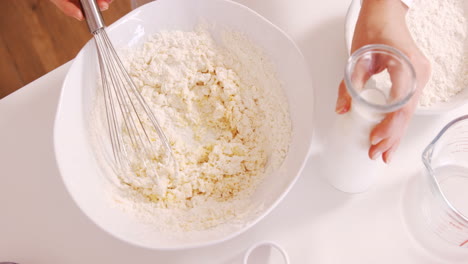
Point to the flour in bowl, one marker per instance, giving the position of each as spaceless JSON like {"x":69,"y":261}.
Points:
{"x":440,"y":29}
{"x":226,"y":117}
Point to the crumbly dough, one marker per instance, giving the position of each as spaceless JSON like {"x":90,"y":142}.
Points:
{"x":226,"y":117}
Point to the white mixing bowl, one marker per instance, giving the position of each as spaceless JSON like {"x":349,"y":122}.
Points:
{"x":82,"y":175}
{"x":438,"y":108}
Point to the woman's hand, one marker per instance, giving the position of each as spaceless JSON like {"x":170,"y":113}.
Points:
{"x":383,"y":22}
{"x":72,"y":7}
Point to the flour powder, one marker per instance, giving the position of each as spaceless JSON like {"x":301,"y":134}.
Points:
{"x":439,"y":27}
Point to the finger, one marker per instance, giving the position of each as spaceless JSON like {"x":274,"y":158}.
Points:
{"x":387,"y":133}
{"x":69,"y":8}
{"x":363,"y":69}
{"x":103,"y":5}
{"x":377,"y":64}
{"x":359,"y":75}
{"x":388,"y":155}
{"x":375,"y":151}
{"x":401,"y":79}
{"x":393,"y":124}
{"x":343,"y":103}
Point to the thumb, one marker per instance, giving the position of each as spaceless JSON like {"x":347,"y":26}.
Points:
{"x":343,"y":103}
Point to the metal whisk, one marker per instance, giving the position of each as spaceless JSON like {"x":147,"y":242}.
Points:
{"x":135,"y":134}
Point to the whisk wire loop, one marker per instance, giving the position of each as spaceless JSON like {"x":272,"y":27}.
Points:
{"x":130,"y":120}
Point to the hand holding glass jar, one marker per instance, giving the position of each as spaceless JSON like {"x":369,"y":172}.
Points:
{"x":383,"y":22}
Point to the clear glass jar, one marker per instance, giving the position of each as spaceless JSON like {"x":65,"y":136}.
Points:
{"x":380,"y":80}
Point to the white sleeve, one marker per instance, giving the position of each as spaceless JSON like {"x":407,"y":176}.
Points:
{"x":408,"y":3}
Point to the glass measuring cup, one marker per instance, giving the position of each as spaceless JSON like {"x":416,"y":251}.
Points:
{"x":438,"y":209}
{"x":380,"y":79}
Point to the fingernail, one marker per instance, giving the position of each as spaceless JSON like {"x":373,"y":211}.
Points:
{"x":376,"y":155}
{"x":78,"y":15}
{"x":375,"y":140}
{"x":104,"y":6}
{"x":341,"y":107}
{"x":389,"y":157}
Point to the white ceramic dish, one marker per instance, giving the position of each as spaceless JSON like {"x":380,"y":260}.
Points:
{"x":81,"y":173}
{"x":436,"y":109}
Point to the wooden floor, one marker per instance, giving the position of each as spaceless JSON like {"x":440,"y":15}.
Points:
{"x":35,"y":38}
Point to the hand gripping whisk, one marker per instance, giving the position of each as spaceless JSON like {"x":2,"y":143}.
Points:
{"x":139,"y":145}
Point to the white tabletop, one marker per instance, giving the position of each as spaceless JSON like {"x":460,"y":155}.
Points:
{"x":39,"y":222}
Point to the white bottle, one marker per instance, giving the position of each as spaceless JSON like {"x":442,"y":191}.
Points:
{"x":345,"y":161}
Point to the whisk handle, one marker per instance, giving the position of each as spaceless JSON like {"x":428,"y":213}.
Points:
{"x":92,"y":14}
